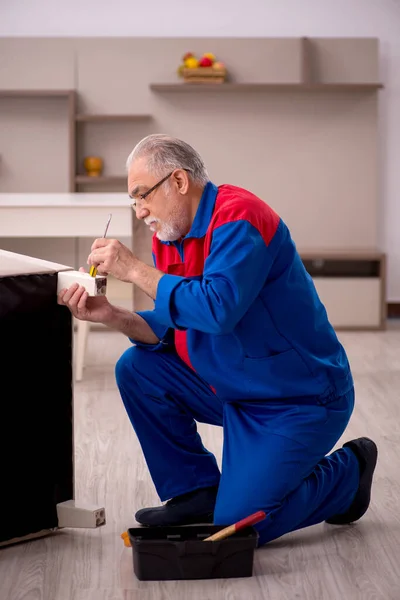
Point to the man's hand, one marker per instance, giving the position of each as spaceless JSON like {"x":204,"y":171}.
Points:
{"x":112,"y":258}
{"x":96,"y":309}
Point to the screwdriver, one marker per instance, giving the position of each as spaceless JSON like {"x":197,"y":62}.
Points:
{"x":93,"y":270}
{"x":231,"y":529}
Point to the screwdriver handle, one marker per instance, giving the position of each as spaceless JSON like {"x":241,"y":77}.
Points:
{"x":231,"y":529}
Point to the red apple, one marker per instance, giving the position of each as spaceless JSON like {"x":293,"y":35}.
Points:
{"x":187,"y":55}
{"x":205,"y":62}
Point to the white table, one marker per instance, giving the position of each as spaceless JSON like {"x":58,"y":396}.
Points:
{"x":66,"y":215}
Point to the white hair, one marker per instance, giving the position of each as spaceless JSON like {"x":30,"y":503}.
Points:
{"x":165,"y":153}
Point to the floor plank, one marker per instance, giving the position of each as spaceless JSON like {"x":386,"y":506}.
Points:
{"x":358,"y":562}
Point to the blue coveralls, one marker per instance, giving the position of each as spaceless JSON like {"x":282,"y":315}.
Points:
{"x":246,"y":344}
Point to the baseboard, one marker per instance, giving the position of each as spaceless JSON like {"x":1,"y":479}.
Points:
{"x":393,"y":310}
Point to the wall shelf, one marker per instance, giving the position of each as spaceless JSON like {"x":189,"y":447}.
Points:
{"x":265,"y":87}
{"x":110,"y":118}
{"x":36,"y":93}
{"x":106,"y":179}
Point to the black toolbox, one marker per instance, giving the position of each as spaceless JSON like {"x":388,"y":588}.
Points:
{"x":165,"y":553}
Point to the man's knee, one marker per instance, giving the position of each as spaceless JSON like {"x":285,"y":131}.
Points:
{"x":227,"y":513}
{"x":130,"y":363}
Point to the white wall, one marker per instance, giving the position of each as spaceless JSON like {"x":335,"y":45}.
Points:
{"x":258,"y":18}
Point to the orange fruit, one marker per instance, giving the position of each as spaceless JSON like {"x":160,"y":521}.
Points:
{"x":191,"y":63}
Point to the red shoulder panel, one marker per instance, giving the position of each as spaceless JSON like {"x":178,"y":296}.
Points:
{"x":234,"y":204}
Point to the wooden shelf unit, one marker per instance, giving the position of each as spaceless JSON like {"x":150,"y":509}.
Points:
{"x":294,"y":68}
{"x":308,"y":84}
{"x":352,"y":286}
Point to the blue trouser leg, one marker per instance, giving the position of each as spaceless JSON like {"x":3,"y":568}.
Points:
{"x":163,"y":398}
{"x":274,"y":460}
{"x":274,"y":455}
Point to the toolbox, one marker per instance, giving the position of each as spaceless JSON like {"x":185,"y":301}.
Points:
{"x":171,"y":553}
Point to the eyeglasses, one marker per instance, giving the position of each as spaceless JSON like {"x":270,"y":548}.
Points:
{"x":144,"y":196}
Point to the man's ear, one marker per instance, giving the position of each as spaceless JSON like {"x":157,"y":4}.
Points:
{"x":181,"y":179}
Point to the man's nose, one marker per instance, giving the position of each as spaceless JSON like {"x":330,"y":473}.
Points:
{"x":142,"y":213}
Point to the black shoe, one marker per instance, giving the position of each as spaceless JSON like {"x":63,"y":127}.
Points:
{"x":367,"y":454}
{"x":194,"y":507}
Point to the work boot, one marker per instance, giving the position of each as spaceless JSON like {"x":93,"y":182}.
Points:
{"x":367,"y":455}
{"x":193,"y":507}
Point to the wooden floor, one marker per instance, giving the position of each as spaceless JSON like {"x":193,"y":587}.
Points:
{"x":321,"y":563}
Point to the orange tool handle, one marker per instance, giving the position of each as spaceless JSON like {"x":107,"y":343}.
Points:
{"x":227,"y":531}
{"x":125,"y":538}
